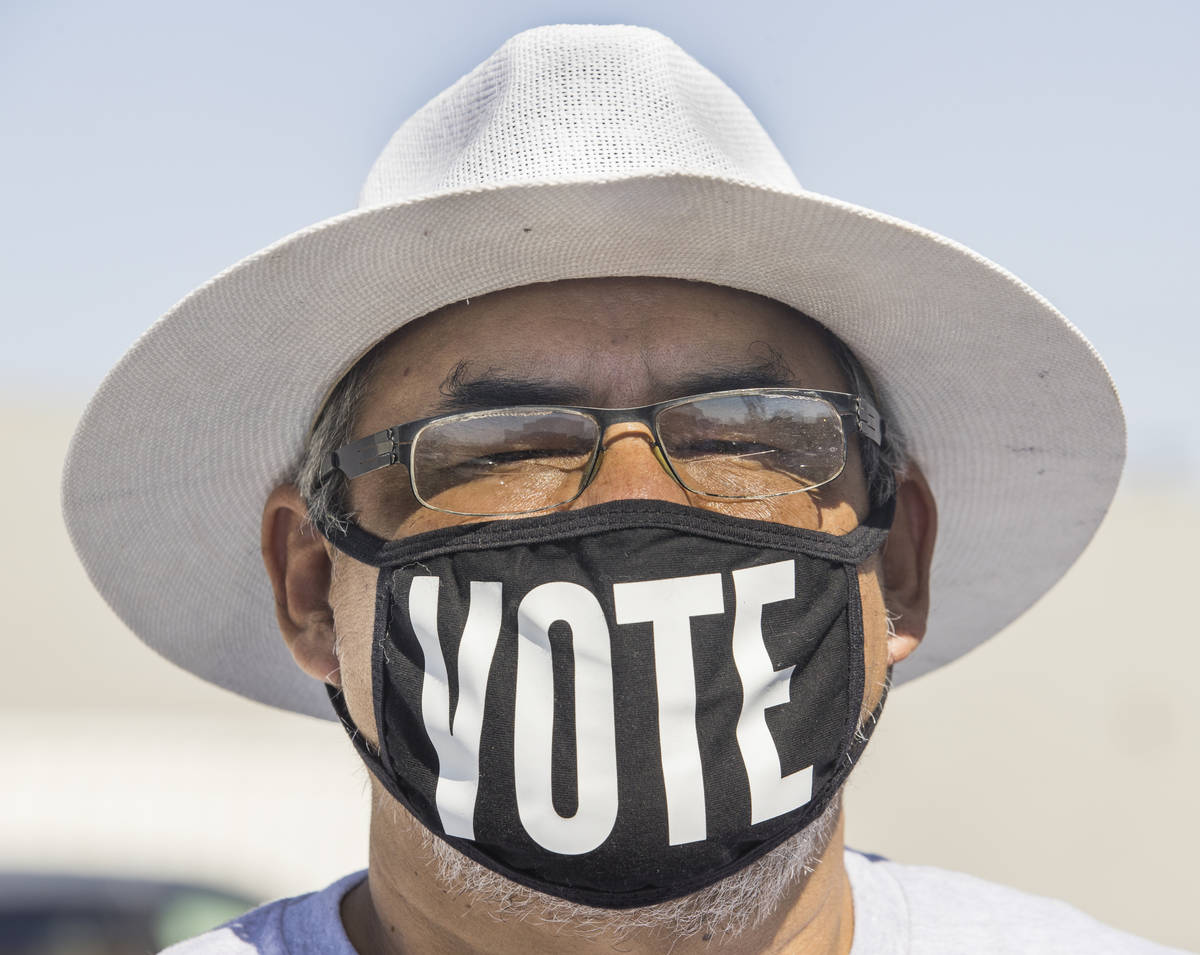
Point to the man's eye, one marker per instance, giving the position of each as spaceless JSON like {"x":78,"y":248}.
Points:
{"x":726,"y":448}
{"x":518,"y":457}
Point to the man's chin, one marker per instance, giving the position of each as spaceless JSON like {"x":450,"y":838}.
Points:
{"x":728,"y":907}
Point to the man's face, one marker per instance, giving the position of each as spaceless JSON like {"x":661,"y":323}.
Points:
{"x":597,"y":343}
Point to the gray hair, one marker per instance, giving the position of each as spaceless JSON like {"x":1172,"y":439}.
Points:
{"x":328,"y":508}
{"x":883,"y":464}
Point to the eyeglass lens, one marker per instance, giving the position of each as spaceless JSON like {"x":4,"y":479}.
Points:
{"x":504,"y":462}
{"x":733,"y":446}
{"x":753,"y":445}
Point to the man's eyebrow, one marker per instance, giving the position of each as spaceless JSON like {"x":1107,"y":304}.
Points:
{"x":463,"y":391}
{"x":764,"y":367}
{"x":493,"y":388}
{"x":732,"y":379}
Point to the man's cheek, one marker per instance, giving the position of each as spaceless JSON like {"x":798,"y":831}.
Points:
{"x":875,"y":650}
{"x":352,"y":594}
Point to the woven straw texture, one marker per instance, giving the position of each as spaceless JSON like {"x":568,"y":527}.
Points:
{"x":576,"y":152}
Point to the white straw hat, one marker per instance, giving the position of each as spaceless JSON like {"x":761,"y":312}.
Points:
{"x":579,"y":151}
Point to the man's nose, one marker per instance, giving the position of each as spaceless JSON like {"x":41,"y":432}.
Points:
{"x":629,"y":468}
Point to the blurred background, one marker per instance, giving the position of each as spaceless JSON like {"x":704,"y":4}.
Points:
{"x":147,"y":146}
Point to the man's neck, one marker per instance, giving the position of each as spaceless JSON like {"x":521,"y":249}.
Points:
{"x":402,"y":907}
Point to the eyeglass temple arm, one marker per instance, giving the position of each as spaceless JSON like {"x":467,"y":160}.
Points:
{"x":869,"y":422}
{"x":371,"y":453}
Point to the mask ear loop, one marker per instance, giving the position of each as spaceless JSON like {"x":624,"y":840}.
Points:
{"x":376,"y":757}
{"x":365,"y":750}
{"x":372,"y":756}
{"x":867,"y":726}
{"x":354,"y":541}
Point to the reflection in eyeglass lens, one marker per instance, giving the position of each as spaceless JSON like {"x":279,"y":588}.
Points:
{"x":753,"y":445}
{"x":504,"y":462}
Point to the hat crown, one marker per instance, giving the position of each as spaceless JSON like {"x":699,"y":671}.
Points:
{"x":577,"y":103}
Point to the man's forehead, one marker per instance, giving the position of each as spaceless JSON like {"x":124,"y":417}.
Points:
{"x":603,"y":342}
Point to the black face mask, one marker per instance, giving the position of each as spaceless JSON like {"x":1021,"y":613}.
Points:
{"x":617,"y":705}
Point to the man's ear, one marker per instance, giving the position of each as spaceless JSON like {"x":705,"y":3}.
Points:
{"x":907,"y":556}
{"x":299,"y":566}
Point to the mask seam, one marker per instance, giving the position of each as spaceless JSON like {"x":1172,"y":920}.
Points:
{"x":855,"y":546}
{"x":380,"y":639}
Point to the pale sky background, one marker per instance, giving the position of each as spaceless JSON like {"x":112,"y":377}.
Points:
{"x":148,"y":145}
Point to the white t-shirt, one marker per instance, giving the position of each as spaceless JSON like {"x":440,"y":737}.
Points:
{"x":920,"y":910}
{"x":898,"y":910}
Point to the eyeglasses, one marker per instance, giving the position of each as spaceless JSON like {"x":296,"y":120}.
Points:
{"x":740,"y":445}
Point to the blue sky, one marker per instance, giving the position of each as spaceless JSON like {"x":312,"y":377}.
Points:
{"x":147,"y":146}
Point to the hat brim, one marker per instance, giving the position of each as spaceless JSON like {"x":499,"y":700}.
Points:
{"x":1009,"y":411}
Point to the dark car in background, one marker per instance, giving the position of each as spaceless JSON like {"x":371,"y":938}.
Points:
{"x":42,"y":914}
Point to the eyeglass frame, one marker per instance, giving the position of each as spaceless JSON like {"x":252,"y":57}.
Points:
{"x":383,"y":448}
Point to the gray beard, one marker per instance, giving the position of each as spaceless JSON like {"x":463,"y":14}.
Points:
{"x":728,"y":907}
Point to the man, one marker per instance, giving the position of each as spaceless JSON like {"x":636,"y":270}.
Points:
{"x":599,"y":463}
